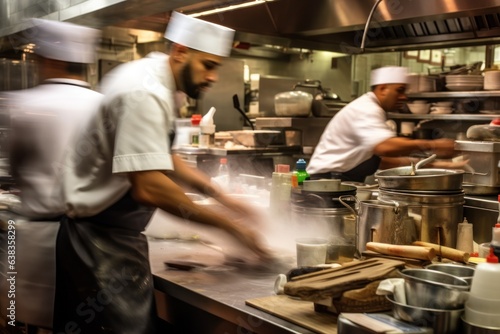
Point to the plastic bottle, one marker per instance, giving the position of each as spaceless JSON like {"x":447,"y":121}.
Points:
{"x":465,"y":239}
{"x":223,"y":168}
{"x":281,"y":191}
{"x":498,"y":219}
{"x":300,"y":171}
{"x":207,"y":129}
{"x":194,"y":132}
{"x":495,"y":240}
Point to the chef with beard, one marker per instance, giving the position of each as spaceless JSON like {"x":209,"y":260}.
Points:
{"x":122,"y":169}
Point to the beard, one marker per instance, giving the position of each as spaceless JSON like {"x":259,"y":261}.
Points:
{"x":191,"y":89}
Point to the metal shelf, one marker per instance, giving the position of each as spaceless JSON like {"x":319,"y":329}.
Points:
{"x":457,"y":94}
{"x":457,"y":117}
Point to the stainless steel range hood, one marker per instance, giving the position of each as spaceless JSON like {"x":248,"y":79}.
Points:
{"x":330,"y":25}
{"x":338,"y":25}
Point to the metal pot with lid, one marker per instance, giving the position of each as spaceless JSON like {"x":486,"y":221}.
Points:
{"x":414,"y":178}
{"x":325,"y":102}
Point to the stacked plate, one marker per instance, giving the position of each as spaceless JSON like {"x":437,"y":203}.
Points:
{"x":464,"y":82}
{"x":492,"y":80}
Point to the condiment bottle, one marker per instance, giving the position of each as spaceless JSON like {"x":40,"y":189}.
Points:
{"x":300,"y":171}
{"x":465,"y":239}
{"x":495,"y":240}
{"x":223,"y":169}
{"x":281,"y":190}
{"x":194,"y":133}
{"x":207,"y":129}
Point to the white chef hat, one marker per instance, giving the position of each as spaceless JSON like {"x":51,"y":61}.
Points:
{"x":389,"y":75}
{"x":64,"y":41}
{"x":200,"y":35}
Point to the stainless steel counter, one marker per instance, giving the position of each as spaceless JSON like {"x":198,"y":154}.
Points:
{"x":212,"y":300}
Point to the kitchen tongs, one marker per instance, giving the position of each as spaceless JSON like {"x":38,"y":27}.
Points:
{"x":236,"y":105}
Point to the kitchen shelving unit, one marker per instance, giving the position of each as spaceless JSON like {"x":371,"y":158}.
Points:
{"x":455,"y":122}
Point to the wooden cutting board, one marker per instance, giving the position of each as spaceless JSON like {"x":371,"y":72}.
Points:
{"x":298,"y":312}
{"x":331,"y":283}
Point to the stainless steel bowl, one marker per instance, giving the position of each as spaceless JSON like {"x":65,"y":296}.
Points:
{"x":458,"y":270}
{"x":424,"y":179}
{"x":441,"y":321}
{"x":434,"y":289}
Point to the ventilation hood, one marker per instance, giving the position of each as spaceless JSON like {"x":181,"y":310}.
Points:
{"x":338,"y":25}
{"x":329,"y":25}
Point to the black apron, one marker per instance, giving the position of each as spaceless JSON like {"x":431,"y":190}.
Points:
{"x":104,"y":282}
{"x":357,"y":174}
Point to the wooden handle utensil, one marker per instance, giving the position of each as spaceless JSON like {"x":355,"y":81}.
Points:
{"x":446,"y":252}
{"x":412,"y":252}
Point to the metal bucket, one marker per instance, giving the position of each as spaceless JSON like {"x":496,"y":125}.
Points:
{"x":383,"y":221}
{"x":438,"y":213}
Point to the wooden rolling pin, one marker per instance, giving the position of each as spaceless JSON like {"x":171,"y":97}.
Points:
{"x":446,"y":252}
{"x":412,"y":252}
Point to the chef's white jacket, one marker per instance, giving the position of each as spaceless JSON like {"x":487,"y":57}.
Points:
{"x":351,"y":136}
{"x":44,"y":121}
{"x":130,"y":133}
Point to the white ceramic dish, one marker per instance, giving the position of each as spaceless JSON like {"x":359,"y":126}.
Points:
{"x":419,"y":108}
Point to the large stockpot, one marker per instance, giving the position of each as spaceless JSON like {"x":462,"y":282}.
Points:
{"x":427,"y":179}
{"x":438,"y":212}
{"x":382,"y":221}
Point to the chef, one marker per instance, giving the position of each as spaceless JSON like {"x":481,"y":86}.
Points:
{"x":357,"y":141}
{"x":104,"y":282}
{"x":44,"y":120}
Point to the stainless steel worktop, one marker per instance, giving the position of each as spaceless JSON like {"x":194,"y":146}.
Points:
{"x":217,"y":294}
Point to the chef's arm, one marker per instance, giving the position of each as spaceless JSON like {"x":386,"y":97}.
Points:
{"x":394,"y":162}
{"x":398,"y":146}
{"x":156,"y":189}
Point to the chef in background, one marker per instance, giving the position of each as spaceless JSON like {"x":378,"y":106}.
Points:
{"x":357,"y":141}
{"x":44,"y":120}
{"x":128,"y":171}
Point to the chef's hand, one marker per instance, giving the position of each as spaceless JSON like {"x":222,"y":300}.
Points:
{"x":252,"y":239}
{"x":449,"y":164}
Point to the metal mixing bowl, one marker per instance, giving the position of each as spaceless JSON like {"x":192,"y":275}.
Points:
{"x":434,"y":289}
{"x":458,"y":270}
{"x":441,"y":321}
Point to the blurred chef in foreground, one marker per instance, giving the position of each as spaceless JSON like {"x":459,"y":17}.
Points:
{"x":44,"y":120}
{"x":104,"y":282}
{"x":357,"y":141}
